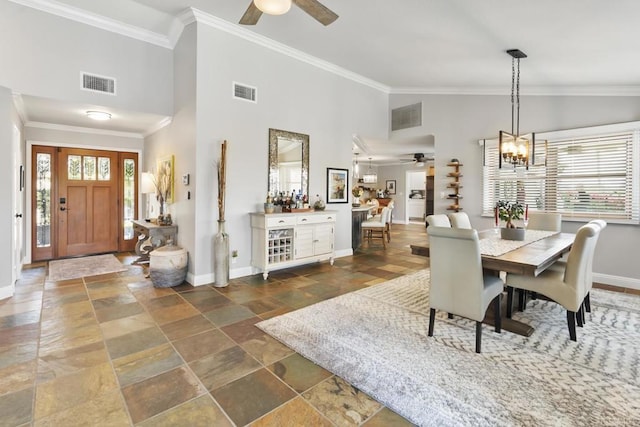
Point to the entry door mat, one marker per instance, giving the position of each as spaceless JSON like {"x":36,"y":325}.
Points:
{"x":74,"y":268}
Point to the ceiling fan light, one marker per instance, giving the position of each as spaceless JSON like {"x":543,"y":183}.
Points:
{"x":98,"y":115}
{"x":273,"y":7}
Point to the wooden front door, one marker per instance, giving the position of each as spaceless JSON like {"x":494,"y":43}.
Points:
{"x":87,"y":201}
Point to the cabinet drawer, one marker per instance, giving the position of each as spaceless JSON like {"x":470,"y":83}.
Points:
{"x":316,"y":219}
{"x":280,"y":221}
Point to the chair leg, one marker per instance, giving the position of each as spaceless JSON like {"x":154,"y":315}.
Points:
{"x":579,"y":318}
{"x":587,"y":303}
{"x":478,"y":336}
{"x":497,"y":315}
{"x":449,"y":315}
{"x":509,"y":301}
{"x":571,"y":322}
{"x":432,"y":318}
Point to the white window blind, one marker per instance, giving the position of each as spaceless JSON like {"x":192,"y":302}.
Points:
{"x":590,"y":175}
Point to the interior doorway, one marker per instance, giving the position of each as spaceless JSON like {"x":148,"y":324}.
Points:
{"x":416,"y":196}
{"x":83,"y":201}
{"x":18,"y":207}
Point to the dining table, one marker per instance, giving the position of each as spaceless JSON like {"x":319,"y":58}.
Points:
{"x":536,"y":253}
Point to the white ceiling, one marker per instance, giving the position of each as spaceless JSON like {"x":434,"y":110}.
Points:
{"x":424,"y":46}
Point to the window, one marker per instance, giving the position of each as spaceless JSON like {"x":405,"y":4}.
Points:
{"x":581,"y":173}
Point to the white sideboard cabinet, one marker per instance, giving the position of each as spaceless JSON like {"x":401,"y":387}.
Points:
{"x":282,"y":240}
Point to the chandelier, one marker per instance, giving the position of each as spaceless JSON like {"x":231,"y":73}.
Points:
{"x":370,"y":177}
{"x":513,"y":148}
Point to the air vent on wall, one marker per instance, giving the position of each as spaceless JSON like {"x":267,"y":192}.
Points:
{"x":244,"y":92}
{"x":97,"y":83}
{"x":405,"y":117}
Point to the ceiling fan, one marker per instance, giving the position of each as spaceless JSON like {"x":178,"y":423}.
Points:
{"x":418,"y":158}
{"x":278,"y":7}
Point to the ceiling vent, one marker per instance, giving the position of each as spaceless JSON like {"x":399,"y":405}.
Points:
{"x":244,"y":92}
{"x":409,"y":116}
{"x":95,"y":83}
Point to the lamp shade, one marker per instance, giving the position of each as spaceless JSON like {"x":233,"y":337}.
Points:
{"x":146,"y":183}
{"x":273,"y":7}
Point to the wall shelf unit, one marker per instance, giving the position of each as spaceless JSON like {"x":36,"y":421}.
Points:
{"x":455,"y":186}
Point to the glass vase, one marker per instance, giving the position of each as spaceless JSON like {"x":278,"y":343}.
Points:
{"x":221,"y":257}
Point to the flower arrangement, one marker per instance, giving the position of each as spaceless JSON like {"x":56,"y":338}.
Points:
{"x":162,"y":182}
{"x":508,"y":211}
{"x":357,"y":192}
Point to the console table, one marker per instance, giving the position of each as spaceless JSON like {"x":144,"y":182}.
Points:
{"x":151,"y":236}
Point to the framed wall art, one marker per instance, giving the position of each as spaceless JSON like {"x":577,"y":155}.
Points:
{"x":391,"y":186}
{"x":337,"y":185}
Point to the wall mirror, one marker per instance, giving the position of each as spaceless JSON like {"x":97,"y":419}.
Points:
{"x":288,"y":162}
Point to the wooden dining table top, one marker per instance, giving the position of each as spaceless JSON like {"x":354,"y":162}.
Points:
{"x":530,"y":259}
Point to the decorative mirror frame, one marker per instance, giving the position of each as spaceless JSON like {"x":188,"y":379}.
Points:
{"x":273,"y":177}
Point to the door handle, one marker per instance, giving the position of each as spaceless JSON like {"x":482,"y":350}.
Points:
{"x":62,"y":208}
{"x":18,"y":215}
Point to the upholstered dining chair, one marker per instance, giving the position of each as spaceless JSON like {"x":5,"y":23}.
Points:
{"x":439,"y":220}
{"x":376,"y":227}
{"x":459,"y":220}
{"x":391,"y":207}
{"x":562,"y":265}
{"x":568,"y":287}
{"x":458,"y":284}
{"x":546,"y":221}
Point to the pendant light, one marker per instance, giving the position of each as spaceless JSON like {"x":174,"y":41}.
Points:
{"x":370,"y":177}
{"x":513,"y":148}
{"x":356,"y":168}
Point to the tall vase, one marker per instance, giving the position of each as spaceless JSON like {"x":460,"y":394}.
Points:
{"x":221,"y":257}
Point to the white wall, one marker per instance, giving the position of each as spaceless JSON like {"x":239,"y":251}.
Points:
{"x":7,"y":120}
{"x":43,"y":55}
{"x":459,"y":121}
{"x":292,"y":95}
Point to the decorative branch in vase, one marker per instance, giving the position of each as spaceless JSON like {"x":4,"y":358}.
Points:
{"x":221,"y":239}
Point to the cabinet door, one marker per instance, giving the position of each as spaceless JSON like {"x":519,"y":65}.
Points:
{"x":323,"y":239}
{"x":304,"y":241}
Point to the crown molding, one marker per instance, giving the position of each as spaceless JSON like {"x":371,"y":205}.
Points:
{"x":194,"y":15}
{"x":79,"y":129}
{"x":80,"y":15}
{"x":529,"y":91}
{"x":18,"y":102}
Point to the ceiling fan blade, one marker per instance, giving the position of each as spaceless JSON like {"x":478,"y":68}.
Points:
{"x":317,"y":10}
{"x":251,"y":16}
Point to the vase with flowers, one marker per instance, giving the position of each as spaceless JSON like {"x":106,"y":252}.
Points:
{"x":357,"y":193}
{"x":509,"y":211}
{"x":162,"y":183}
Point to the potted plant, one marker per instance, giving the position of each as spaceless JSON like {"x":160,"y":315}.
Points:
{"x":508,"y":212}
{"x":357,"y":193}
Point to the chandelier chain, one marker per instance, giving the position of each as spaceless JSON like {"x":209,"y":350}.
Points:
{"x":518,"y":100}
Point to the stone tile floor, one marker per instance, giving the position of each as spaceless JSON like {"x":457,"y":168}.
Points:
{"x":113,"y":350}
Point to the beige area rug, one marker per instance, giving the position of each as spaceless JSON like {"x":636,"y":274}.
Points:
{"x":73,"y":268}
{"x":380,"y":345}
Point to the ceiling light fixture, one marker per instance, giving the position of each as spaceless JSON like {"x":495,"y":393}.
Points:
{"x":370,"y":177}
{"x":513,"y":148}
{"x":98,"y":115}
{"x":273,"y":7}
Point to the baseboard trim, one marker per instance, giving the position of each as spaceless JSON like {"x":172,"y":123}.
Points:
{"x":619,"y":281}
{"x":209,"y":279}
{"x":7,"y":291}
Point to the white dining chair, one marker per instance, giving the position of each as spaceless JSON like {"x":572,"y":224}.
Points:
{"x":545,"y":221}
{"x":569,"y":287}
{"x":376,"y":227}
{"x":458,"y":283}
{"x":459,"y":220}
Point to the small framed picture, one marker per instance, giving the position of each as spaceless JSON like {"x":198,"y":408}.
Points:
{"x":337,"y":185}
{"x":391,"y":186}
